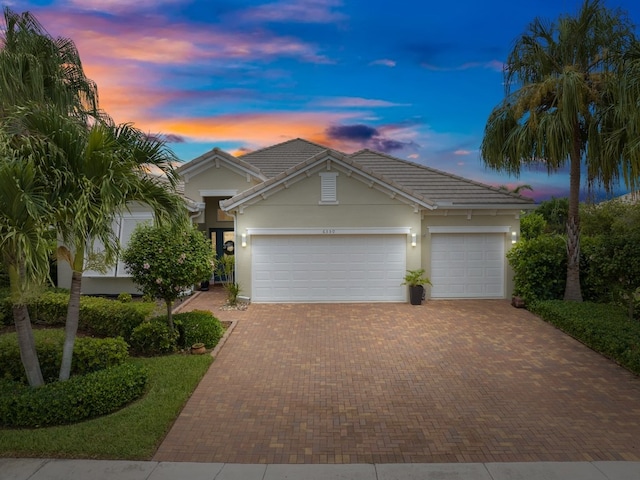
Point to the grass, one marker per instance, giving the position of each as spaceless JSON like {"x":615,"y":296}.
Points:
{"x":133,"y":433}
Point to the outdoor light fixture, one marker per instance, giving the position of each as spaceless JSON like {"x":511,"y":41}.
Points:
{"x":514,"y":237}
{"x":244,"y":239}
{"x":414,"y":239}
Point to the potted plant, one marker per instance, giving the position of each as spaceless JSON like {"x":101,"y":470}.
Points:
{"x":198,"y":348}
{"x":416,"y":280}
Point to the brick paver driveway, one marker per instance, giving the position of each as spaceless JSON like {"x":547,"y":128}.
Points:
{"x":448,"y":381}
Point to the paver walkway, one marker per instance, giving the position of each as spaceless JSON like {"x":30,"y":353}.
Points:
{"x":448,"y":381}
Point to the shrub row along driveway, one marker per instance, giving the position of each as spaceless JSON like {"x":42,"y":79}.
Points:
{"x":448,"y":381}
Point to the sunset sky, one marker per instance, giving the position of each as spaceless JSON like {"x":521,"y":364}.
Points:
{"x":415,"y":79}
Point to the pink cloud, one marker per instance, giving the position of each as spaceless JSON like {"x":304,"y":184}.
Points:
{"x":462,"y":152}
{"x":170,"y":44}
{"x":121,"y":5}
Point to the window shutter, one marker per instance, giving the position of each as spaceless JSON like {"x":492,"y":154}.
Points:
{"x":328,"y":188}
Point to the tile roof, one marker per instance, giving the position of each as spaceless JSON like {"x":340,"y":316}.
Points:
{"x":424,"y":182}
{"x":438,"y":186}
{"x":276,"y":159}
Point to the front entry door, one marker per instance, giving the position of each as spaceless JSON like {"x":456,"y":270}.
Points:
{"x":223,"y":242}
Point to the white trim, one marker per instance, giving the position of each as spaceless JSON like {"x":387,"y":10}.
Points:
{"x":330,"y":231}
{"x":470,"y":229}
{"x":217,"y":193}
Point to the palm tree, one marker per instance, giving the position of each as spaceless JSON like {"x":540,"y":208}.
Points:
{"x":561,"y":79}
{"x":38,"y":69}
{"x":24,"y":241}
{"x":35,"y":70}
{"x":105,"y":168}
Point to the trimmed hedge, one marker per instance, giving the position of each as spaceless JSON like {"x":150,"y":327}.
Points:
{"x":79,"y":398}
{"x":89,"y":354}
{"x":198,"y":326}
{"x":602,"y":327}
{"x":153,"y":337}
{"x":98,"y":316}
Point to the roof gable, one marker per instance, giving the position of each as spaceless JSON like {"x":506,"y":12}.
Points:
{"x":214,"y":158}
{"x":331,"y":159}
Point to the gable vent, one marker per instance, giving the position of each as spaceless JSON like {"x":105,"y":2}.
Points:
{"x":328,"y":189}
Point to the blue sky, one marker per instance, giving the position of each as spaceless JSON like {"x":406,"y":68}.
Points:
{"x":415,"y":79}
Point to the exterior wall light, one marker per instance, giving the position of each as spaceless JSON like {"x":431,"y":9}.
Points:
{"x":414,"y":239}
{"x":244,"y":239}
{"x":514,"y":237}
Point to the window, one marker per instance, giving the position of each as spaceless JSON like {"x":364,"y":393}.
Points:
{"x":328,"y":188}
{"x":123,"y":227}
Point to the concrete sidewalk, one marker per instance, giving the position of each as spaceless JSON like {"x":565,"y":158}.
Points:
{"x":42,"y":469}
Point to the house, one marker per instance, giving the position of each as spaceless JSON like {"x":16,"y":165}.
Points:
{"x":310,"y":224}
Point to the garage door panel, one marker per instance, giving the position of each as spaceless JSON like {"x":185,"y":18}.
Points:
{"x":328,"y":268}
{"x":467,"y":265}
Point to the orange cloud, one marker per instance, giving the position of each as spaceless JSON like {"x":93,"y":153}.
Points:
{"x":252,"y":130}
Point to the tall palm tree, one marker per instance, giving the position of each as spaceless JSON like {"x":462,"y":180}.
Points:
{"x":24,"y":239}
{"x":106,"y":168}
{"x":561,"y":79}
{"x":39,"y":69}
{"x":35,"y":70}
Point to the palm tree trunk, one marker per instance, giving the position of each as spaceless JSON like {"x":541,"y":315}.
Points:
{"x":71,"y":326}
{"x":572,"y":290}
{"x":26,"y":342}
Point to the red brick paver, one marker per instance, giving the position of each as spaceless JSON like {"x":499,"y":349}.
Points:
{"x":448,"y":381}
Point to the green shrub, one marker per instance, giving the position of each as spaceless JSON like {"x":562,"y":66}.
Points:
{"x":125,"y":297}
{"x":153,"y":337}
{"x":603,"y":327}
{"x":540,"y":267}
{"x":98,"y":316}
{"x":109,"y":318}
{"x":197,"y":326}
{"x":89,"y":354}
{"x":79,"y":398}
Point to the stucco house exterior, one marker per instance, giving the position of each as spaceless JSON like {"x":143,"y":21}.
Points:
{"x":310,"y":224}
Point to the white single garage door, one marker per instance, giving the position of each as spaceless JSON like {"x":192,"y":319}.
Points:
{"x":328,"y":268}
{"x":467,"y":265}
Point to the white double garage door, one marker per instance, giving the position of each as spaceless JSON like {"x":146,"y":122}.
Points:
{"x":370,"y":268}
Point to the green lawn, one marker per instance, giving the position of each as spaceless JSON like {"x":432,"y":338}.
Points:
{"x":133,"y":433}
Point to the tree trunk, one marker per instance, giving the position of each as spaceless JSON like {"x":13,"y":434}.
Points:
{"x":572,"y":290}
{"x":26,"y":342}
{"x":27,"y":345}
{"x":169,"y":314}
{"x":71,"y":326}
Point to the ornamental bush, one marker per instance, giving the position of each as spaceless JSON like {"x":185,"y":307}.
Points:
{"x":166,"y":262}
{"x":540,"y":267}
{"x":89,"y":354}
{"x":198,"y":326}
{"x":79,"y":398}
{"x":154,"y":337}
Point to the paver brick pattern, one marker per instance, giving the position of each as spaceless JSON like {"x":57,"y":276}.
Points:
{"x":448,"y":381}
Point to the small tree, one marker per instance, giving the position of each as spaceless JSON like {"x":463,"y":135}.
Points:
{"x":165,"y":262}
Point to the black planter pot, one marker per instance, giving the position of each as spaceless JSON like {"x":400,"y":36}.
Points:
{"x":415,"y":294}
{"x":204,"y":286}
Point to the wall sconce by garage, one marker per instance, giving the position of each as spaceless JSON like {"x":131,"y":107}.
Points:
{"x":514,"y":237}
{"x":244,"y":239}
{"x":414,"y":239}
